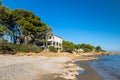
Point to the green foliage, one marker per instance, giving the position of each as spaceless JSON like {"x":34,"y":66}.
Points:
{"x":68,"y":46}
{"x":5,"y":47}
{"x":35,"y":49}
{"x":26,"y":48}
{"x":98,"y":49}
{"x":88,"y":47}
{"x":85,"y":47}
{"x":52,"y":49}
{"x":2,"y":29}
{"x":23,"y":24}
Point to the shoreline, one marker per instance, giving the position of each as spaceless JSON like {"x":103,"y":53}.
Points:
{"x":89,"y":74}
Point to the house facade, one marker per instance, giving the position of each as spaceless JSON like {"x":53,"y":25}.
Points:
{"x":55,"y":41}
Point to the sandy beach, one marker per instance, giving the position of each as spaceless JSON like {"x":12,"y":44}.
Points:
{"x":45,"y":68}
{"x":29,"y":68}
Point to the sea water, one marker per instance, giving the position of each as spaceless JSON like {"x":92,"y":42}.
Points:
{"x":108,"y":67}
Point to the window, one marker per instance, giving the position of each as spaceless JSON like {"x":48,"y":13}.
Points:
{"x":50,"y":37}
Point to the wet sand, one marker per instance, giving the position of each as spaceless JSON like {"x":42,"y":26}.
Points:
{"x":89,"y":74}
{"x":50,"y":77}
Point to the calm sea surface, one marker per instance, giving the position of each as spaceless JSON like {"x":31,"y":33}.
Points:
{"x":108,"y":67}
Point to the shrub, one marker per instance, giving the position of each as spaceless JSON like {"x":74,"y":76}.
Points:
{"x":7,"y":48}
{"x":68,"y":46}
{"x":52,"y":49}
{"x":35,"y":49}
{"x":87,"y":50}
{"x":27,"y":48}
{"x":22,"y":48}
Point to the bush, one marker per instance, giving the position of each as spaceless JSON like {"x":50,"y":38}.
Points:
{"x":35,"y":49}
{"x":7,"y":48}
{"x":52,"y":49}
{"x":98,"y":49}
{"x":22,"y":48}
{"x":68,"y":46}
{"x":27,"y":48}
{"x":87,"y":50}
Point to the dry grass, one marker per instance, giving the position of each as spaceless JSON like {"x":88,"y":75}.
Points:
{"x":60,"y":54}
{"x":48,"y":54}
{"x":73,"y":56}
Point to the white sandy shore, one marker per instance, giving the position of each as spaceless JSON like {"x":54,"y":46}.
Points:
{"x":28,"y":68}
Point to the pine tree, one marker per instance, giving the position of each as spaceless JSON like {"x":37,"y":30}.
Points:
{"x":0,"y":2}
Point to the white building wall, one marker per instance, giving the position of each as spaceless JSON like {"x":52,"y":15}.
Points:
{"x":55,"y":41}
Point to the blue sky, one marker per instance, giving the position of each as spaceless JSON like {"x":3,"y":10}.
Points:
{"x":95,"y":22}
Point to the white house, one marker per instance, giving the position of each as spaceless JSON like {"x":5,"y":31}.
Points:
{"x":55,"y":41}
